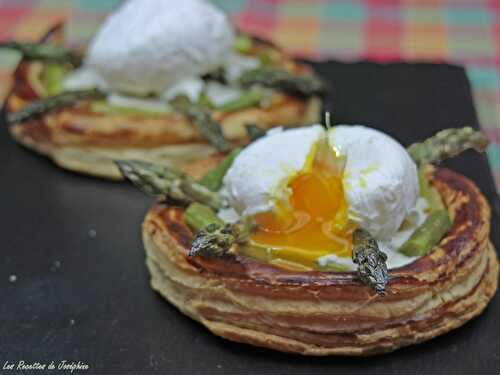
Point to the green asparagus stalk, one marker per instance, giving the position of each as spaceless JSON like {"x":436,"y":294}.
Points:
{"x":333,"y":266}
{"x":428,"y":234}
{"x":213,"y":179}
{"x":265,"y":56}
{"x":199,"y":216}
{"x":153,"y":179}
{"x":48,"y":104}
{"x":446,"y":144}
{"x":45,"y":52}
{"x":52,"y":77}
{"x":103,"y":106}
{"x":243,"y":44}
{"x":203,"y":120}
{"x":254,"y":97}
{"x":410,"y":221}
{"x":163,"y":182}
{"x":217,"y":240}
{"x":280,"y":79}
{"x":372,"y":267}
{"x":204,"y":100}
{"x":254,"y":132}
{"x":428,"y":192}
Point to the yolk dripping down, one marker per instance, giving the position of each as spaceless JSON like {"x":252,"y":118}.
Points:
{"x":313,"y":220}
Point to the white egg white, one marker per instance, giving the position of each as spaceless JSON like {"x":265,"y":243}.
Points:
{"x":258,"y":176}
{"x":84,"y":78}
{"x":147,"y":46}
{"x":380,"y":180}
{"x":162,"y":48}
{"x":148,"y":104}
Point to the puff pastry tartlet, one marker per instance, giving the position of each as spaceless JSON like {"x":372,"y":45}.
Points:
{"x":319,"y":312}
{"x":87,"y":136}
{"x":324,"y":313}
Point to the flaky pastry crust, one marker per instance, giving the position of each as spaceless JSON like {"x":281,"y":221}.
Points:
{"x":331,"y":313}
{"x":81,"y":140}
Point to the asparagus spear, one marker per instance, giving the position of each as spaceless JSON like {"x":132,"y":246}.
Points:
{"x":280,"y":79}
{"x":48,"y":104}
{"x":251,"y":98}
{"x":161,"y":181}
{"x":254,"y":132}
{"x":204,"y":100}
{"x":446,"y":144}
{"x":45,"y":52}
{"x":217,"y":239}
{"x":202,"y":120}
{"x":103,"y":106}
{"x":199,"y":216}
{"x":52,"y":77}
{"x":429,"y":192}
{"x":428,"y":234}
{"x":332,"y":266}
{"x":372,"y":267}
{"x":213,"y":179}
{"x":214,"y":240}
{"x":243,"y":44}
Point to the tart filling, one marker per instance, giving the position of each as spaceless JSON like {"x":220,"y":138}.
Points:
{"x":148,"y":53}
{"x":314,"y":199}
{"x":330,"y":313}
{"x":308,"y":189}
{"x":170,"y":91}
{"x":176,"y":61}
{"x":208,"y":249}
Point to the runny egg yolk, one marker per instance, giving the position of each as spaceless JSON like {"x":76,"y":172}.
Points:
{"x":311,"y":221}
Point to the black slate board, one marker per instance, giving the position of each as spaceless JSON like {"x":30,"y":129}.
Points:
{"x":79,"y":298}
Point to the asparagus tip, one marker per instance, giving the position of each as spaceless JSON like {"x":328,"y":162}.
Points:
{"x":372,"y":267}
{"x":214,"y":240}
{"x":446,"y":144}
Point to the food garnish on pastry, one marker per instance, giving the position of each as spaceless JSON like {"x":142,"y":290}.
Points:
{"x":322,"y":241}
{"x":166,"y":82}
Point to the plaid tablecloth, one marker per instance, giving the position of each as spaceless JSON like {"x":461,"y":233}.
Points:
{"x":465,"y":32}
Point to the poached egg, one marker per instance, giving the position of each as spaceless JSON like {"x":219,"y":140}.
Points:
{"x":148,"y":46}
{"x":309,"y":188}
